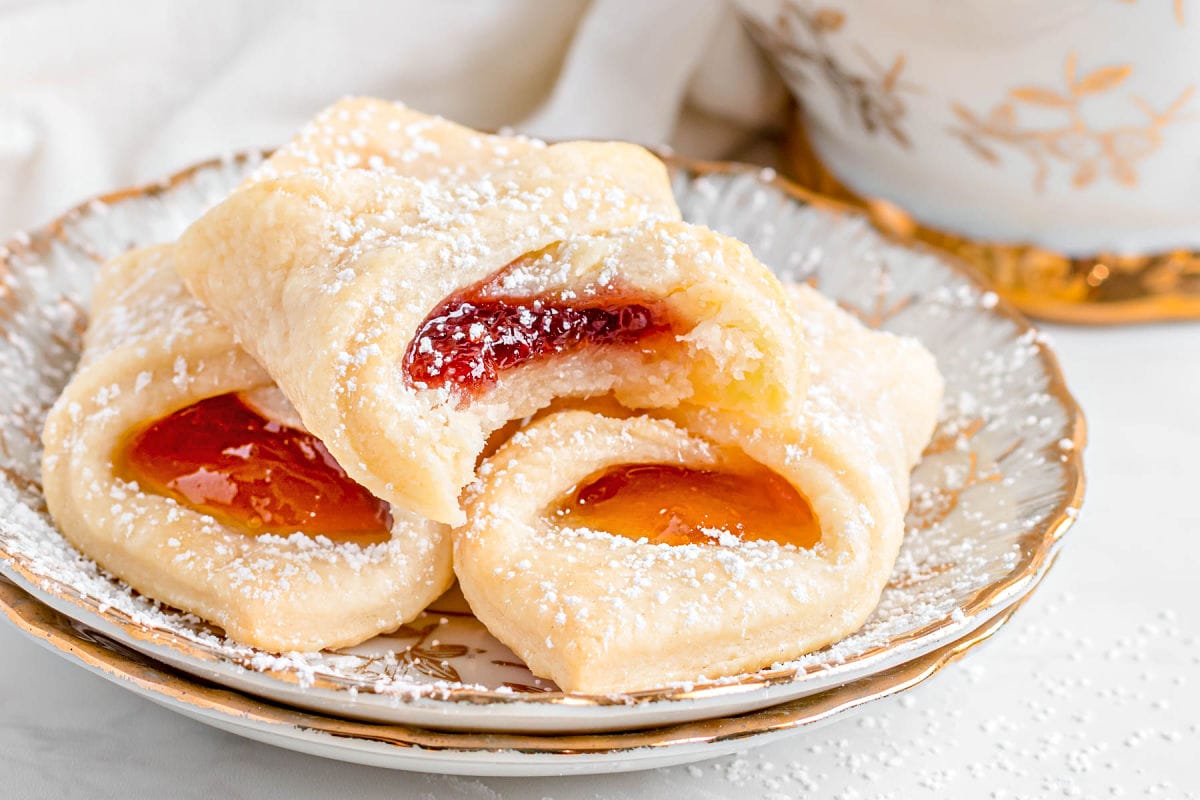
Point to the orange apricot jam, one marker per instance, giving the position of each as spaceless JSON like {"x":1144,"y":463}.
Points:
{"x":675,"y":505}
{"x":222,"y":458}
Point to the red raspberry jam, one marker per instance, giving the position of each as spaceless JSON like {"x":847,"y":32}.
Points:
{"x":478,"y":333}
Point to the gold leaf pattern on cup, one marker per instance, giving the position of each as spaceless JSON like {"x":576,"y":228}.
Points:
{"x":1104,"y":289}
{"x":1071,"y":143}
{"x":872,"y":97}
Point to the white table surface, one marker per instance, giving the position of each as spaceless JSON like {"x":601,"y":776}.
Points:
{"x":1092,"y":691}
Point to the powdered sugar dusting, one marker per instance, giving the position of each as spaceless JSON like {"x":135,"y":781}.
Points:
{"x":982,"y":501}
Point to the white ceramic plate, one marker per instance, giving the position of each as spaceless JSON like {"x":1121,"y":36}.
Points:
{"x":416,"y":749}
{"x":998,"y":487}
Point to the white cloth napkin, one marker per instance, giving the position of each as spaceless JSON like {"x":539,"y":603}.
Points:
{"x":96,"y":95}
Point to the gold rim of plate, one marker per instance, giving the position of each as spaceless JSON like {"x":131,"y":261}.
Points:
{"x":1105,"y":289}
{"x":1038,"y":545}
{"x":78,"y":643}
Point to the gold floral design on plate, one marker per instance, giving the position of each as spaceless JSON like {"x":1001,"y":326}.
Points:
{"x":427,"y":655}
{"x":798,"y":41}
{"x":1088,"y":153}
{"x":412,"y":747}
{"x":932,"y":505}
{"x":882,"y":308}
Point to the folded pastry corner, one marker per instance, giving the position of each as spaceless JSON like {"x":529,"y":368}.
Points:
{"x":407,"y":317}
{"x":372,"y":134}
{"x":173,"y":461}
{"x":616,"y":555}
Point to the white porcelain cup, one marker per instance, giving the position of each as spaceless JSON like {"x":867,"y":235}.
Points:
{"x":1070,"y":124}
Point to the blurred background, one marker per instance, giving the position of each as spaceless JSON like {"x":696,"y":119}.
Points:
{"x":100,"y":94}
{"x":1037,"y":141}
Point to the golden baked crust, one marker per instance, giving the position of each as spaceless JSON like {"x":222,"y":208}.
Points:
{"x":150,"y":350}
{"x":326,"y":275}
{"x":602,"y":613}
{"x":372,"y":134}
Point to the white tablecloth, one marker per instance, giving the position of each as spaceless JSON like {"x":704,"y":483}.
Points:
{"x":100,"y":94}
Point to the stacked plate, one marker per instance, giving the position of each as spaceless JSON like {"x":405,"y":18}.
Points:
{"x":998,"y":487}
